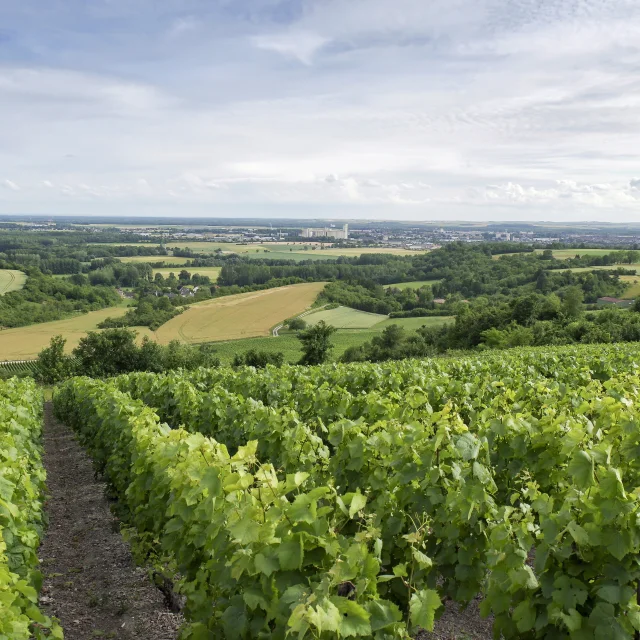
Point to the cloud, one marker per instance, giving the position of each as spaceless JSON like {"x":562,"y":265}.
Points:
{"x":301,"y":45}
{"x":451,"y":108}
{"x":183,"y":26}
{"x":9,"y":184}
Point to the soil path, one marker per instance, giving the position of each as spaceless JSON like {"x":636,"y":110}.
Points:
{"x":91,"y":582}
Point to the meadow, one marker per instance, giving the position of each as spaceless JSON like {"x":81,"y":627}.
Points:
{"x":287,"y":342}
{"x":239,"y":316}
{"x":634,"y":290}
{"x":411,"y":285}
{"x":11,"y":280}
{"x":345,"y":318}
{"x":565,"y":254}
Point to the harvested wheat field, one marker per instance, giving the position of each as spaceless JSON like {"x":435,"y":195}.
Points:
{"x":24,"y":343}
{"x":241,"y":316}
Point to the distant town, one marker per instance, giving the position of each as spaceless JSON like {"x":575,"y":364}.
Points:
{"x":392,"y":234}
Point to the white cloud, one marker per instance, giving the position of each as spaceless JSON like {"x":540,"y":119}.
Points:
{"x":396,"y":109}
{"x":298,"y":44}
{"x":9,"y":184}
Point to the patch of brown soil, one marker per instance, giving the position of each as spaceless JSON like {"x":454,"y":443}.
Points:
{"x":91,"y":582}
{"x":460,"y":624}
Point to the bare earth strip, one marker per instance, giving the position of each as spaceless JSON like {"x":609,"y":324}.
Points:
{"x":91,"y":583}
{"x":241,"y":316}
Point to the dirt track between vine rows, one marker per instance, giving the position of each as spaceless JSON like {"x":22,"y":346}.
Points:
{"x":91,"y":582}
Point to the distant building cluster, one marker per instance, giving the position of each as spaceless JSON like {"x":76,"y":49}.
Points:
{"x":327,"y":232}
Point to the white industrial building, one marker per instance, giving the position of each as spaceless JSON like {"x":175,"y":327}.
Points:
{"x":327,"y":232}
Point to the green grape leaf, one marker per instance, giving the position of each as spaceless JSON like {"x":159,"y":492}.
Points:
{"x":524,"y":615}
{"x":266,"y":564}
{"x":579,"y":535}
{"x":582,"y":470}
{"x":383,"y":614}
{"x":358,"y":502}
{"x":290,"y":554}
{"x":423,"y":606}
{"x":355,"y":619}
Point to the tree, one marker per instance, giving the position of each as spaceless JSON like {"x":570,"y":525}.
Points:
{"x":315,"y":343}
{"x":391,"y":337}
{"x":107,"y":353}
{"x":632,"y":257}
{"x":526,"y":308}
{"x":296,"y":324}
{"x":572,"y":302}
{"x":53,"y":365}
{"x":258,"y":359}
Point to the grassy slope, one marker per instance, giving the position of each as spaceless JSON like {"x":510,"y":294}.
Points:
{"x":345,"y":318}
{"x":289,"y":344}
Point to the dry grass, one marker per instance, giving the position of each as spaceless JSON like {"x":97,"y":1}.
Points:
{"x":11,"y":280}
{"x":24,"y":343}
{"x":240,"y":316}
{"x":154,"y":259}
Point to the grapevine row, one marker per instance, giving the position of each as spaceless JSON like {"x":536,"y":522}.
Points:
{"x":22,"y":479}
{"x":260,"y":555}
{"x":554,"y":454}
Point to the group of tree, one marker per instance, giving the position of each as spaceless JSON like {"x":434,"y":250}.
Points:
{"x":44,"y":298}
{"x":149,"y":311}
{"x":115,"y":351}
{"x":532,"y":320}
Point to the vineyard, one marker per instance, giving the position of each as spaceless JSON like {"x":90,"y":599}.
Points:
{"x":353,"y":500}
{"x":21,"y":512}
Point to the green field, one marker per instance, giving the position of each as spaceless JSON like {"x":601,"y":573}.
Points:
{"x":412,"y":285}
{"x":272,"y":250}
{"x":613,"y":267}
{"x":289,"y":345}
{"x":565,"y":254}
{"x":11,"y":280}
{"x":345,"y":318}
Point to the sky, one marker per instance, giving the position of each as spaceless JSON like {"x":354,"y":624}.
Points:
{"x":396,"y":109}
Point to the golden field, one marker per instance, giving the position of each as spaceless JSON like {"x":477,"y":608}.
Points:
{"x":212,"y":272}
{"x":24,"y":343}
{"x":241,"y":316}
{"x":154,"y":259}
